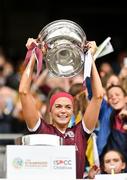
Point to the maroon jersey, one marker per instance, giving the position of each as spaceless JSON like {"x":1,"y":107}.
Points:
{"x":73,"y":136}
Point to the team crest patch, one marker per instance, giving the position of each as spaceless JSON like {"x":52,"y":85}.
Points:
{"x":69,"y":134}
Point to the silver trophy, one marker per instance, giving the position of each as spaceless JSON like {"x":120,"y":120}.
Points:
{"x":65,"y":42}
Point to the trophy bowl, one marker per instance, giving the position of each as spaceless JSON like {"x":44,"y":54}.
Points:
{"x":65,"y":42}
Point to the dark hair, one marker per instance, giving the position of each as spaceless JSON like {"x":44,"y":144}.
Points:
{"x":1,"y":68}
{"x":76,"y":88}
{"x":117,"y":86}
{"x":103,"y":156}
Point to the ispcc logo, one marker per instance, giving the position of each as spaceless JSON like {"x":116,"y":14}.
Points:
{"x":62,"y":162}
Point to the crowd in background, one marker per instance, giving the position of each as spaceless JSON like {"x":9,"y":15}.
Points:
{"x":112,"y":126}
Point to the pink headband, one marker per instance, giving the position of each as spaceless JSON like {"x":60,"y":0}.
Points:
{"x":58,"y":95}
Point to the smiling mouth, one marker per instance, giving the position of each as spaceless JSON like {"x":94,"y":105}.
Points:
{"x":63,"y":117}
{"x":115,"y":103}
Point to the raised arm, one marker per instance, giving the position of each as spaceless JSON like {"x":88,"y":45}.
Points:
{"x":30,"y":112}
{"x":92,"y":111}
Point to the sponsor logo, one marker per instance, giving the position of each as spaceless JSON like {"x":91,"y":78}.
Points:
{"x":18,"y":163}
{"x":36,"y":164}
{"x":62,"y":164}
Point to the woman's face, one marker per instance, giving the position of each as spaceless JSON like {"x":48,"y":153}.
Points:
{"x":113,"y":162}
{"x":116,"y":98}
{"x":61,"y":112}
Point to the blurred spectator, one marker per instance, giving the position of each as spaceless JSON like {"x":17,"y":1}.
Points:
{"x":8,"y":98}
{"x":121,"y":57}
{"x":80,"y":101}
{"x":112,"y":134}
{"x":113,"y":79}
{"x":2,"y":68}
{"x":105,"y":68}
{"x":12,"y":77}
{"x":112,"y":162}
